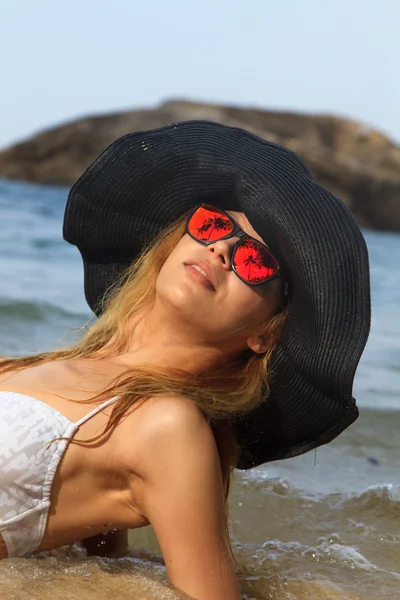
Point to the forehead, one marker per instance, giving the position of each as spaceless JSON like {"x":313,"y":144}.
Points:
{"x":244,"y":224}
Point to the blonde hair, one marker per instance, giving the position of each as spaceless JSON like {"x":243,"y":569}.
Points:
{"x":221,"y":394}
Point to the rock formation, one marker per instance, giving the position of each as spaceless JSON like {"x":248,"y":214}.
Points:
{"x":360,"y":165}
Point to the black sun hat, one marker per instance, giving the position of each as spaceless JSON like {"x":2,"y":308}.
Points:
{"x":145,"y":180}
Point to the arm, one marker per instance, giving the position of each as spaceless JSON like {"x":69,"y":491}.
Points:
{"x":182,"y":497}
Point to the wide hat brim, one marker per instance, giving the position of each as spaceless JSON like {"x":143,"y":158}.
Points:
{"x":145,"y":180}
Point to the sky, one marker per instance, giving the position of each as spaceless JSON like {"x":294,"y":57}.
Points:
{"x":63,"y":60}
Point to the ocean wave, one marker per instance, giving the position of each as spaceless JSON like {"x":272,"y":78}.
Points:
{"x":123,"y":578}
{"x":261,"y":477}
{"x":381,"y":498}
{"x":48,"y":243}
{"x":49,"y":578}
{"x":328,"y":551}
{"x":36,"y":311}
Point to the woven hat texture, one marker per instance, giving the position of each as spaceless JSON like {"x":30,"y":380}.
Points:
{"x":147,"y":179}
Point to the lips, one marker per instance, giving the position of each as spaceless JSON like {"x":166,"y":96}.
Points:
{"x":207,"y":269}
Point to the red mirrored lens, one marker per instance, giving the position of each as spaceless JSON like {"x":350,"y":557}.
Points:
{"x":209,"y":225}
{"x":253,"y":262}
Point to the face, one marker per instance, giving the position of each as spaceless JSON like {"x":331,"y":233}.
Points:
{"x":220,"y":307}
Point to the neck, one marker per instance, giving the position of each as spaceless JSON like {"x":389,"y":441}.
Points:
{"x":158,"y":339}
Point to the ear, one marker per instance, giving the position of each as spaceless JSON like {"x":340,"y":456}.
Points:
{"x":261,"y":343}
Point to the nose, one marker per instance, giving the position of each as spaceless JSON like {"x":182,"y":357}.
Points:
{"x":221,"y":251}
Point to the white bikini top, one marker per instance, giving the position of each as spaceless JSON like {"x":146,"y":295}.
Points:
{"x":28,"y":463}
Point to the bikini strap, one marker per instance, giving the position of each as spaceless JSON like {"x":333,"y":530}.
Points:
{"x":95,"y":411}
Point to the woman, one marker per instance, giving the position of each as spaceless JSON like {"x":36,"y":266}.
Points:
{"x":232,"y":292}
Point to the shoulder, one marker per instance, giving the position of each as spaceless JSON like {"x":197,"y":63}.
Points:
{"x":173,"y":431}
{"x":167,"y":414}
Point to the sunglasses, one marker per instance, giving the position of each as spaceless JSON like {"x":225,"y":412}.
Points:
{"x":251,"y":260}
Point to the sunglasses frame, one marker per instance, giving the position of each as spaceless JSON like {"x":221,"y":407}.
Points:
{"x":236,"y":232}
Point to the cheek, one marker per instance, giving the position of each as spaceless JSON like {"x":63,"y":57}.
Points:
{"x":172,"y":283}
{"x":173,"y":260}
{"x":246,"y":305}
{"x":255,"y":306}
{"x":167,"y":274}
